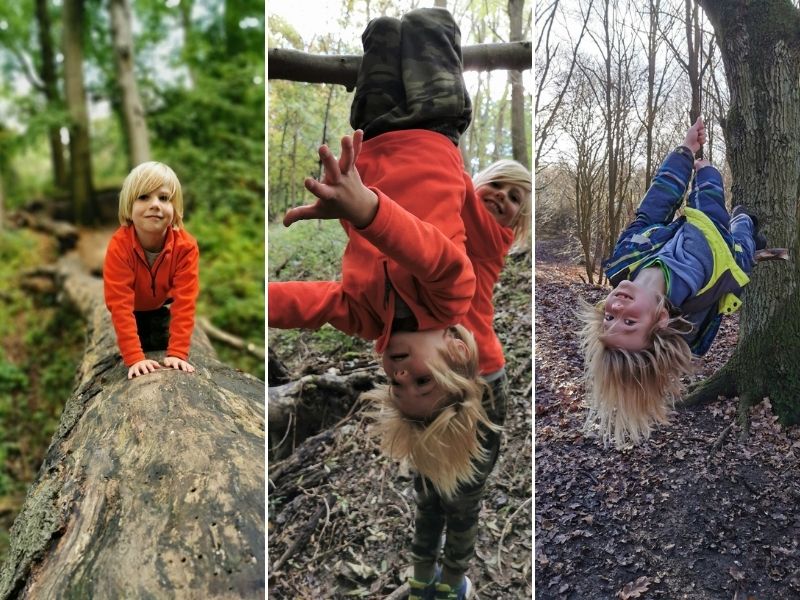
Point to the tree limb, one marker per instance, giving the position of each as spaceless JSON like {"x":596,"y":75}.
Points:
{"x":293,"y":65}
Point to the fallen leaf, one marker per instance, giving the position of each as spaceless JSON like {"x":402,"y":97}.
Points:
{"x":634,"y":589}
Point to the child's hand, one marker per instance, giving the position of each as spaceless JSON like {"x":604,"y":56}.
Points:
{"x":173,"y":362}
{"x":341,"y":193}
{"x":700,"y":163}
{"x":696,"y":136}
{"x":142,"y":368}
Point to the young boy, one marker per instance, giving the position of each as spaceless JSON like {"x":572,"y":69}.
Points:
{"x":150,"y":273}
{"x":673,"y":282}
{"x":406,"y":278}
{"x":496,"y":215}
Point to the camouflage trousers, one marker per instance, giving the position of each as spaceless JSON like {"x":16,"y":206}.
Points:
{"x":411,"y":76}
{"x":459,"y":515}
{"x":153,"y":328}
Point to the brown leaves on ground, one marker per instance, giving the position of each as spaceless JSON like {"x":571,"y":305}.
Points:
{"x":691,"y":524}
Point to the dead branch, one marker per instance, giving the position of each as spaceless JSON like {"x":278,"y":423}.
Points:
{"x":772,"y":254}
{"x":229,"y":339}
{"x":294,"y":65}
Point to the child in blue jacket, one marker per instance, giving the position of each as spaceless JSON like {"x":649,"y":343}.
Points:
{"x":674,"y":279}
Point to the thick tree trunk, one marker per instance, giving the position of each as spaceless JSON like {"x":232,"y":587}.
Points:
{"x":49,"y":80}
{"x":760,"y":44}
{"x":151,"y":488}
{"x":293,"y":65}
{"x":132,"y":109}
{"x":75,"y":94}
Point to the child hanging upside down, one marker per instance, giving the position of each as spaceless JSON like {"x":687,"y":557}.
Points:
{"x":407,"y":280}
{"x":674,"y":279}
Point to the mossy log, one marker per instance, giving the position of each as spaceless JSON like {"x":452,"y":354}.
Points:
{"x":151,"y":488}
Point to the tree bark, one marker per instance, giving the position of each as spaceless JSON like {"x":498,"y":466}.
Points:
{"x":151,"y":488}
{"x":47,"y":72}
{"x":760,"y":45}
{"x":75,"y":94}
{"x":132,"y":110}
{"x":519,"y":138}
{"x":293,"y":65}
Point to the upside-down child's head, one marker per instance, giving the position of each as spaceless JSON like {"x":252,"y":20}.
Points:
{"x":430,"y":412}
{"x":634,"y":357}
{"x":504,"y":188}
{"x":151,"y":180}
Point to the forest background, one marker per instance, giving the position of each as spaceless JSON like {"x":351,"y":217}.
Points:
{"x":197,"y":68}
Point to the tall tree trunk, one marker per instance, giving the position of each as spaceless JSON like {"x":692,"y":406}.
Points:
{"x":760,"y":45}
{"x":519,"y":117}
{"x":132,"y":110}
{"x":50,"y":84}
{"x":151,"y":487}
{"x":694,"y":47}
{"x":185,"y":9}
{"x":75,"y":93}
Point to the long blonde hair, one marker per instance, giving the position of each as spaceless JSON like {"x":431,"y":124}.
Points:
{"x":445,"y":448}
{"x":629,"y":391}
{"x":513,"y":173}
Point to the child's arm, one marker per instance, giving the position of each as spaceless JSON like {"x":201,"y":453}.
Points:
{"x":185,"y":288}
{"x":668,"y":187}
{"x":118,"y":289}
{"x":486,"y":239}
{"x":311,"y":304}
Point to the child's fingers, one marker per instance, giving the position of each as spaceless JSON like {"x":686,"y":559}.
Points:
{"x":330,"y":164}
{"x":301,"y":213}
{"x":347,"y":157}
{"x":358,"y":137}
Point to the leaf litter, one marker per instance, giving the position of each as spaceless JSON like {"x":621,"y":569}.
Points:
{"x":667,"y":519}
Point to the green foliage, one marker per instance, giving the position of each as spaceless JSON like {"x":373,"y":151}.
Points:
{"x":40,"y":345}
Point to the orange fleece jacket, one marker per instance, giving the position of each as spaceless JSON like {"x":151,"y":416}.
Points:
{"x":130,"y":284}
{"x":487,"y":246}
{"x":414,"y":247}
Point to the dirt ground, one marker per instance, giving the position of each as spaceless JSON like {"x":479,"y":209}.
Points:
{"x":340,"y":516}
{"x":674,"y":518}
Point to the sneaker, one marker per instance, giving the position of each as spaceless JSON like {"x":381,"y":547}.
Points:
{"x":463,"y":592}
{"x":759,"y":238}
{"x":419,"y":590}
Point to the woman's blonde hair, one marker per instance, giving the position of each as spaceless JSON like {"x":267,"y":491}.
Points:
{"x":443,"y":449}
{"x":631,"y":390}
{"x":514,"y":173}
{"x":145,"y":178}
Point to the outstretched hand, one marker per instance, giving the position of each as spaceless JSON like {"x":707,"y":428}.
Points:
{"x":696,"y":136}
{"x":341,"y":194}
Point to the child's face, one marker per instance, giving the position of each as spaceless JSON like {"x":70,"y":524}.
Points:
{"x":405,"y":361}
{"x":630,"y":315}
{"x":502,"y":200}
{"x":152,"y":213}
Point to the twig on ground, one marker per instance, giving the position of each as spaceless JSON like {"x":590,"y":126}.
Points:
{"x":503,"y":535}
{"x":400,"y":592}
{"x":718,"y":442}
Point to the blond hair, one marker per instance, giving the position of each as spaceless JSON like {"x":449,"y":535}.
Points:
{"x":629,"y":391}
{"x":513,"y":173}
{"x":145,"y":178}
{"x":444,"y":449}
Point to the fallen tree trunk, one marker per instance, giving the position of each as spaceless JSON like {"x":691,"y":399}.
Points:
{"x":152,"y":487}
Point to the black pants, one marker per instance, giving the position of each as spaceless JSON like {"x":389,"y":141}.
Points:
{"x":153,"y":328}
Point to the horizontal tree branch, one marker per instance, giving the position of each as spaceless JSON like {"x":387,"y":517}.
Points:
{"x":294,"y":65}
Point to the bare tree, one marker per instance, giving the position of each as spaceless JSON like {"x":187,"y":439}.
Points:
{"x":132,"y":110}
{"x":552,"y":81}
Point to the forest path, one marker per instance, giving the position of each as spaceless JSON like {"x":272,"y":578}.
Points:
{"x":671,"y":518}
{"x":92,"y":245}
